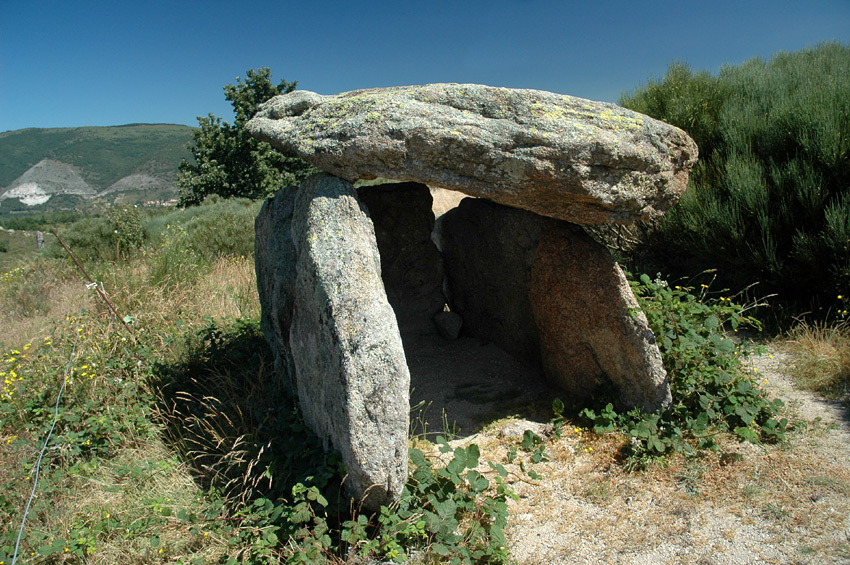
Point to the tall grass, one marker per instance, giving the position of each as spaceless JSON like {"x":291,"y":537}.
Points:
{"x":112,"y":485}
{"x":821,"y":356}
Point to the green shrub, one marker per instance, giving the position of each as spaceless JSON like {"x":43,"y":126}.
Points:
{"x":97,"y":239}
{"x":4,"y":243}
{"x":175,"y":261}
{"x":219,"y":227}
{"x":90,"y":239}
{"x":769,"y":200}
{"x":712,"y":393}
{"x":41,"y":221}
{"x":126,"y":224}
{"x":225,"y":229}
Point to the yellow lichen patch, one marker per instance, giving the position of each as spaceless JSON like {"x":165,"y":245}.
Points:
{"x":579,"y":118}
{"x":632,"y":122}
{"x":561,"y":113}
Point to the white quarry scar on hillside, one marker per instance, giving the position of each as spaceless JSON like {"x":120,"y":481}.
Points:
{"x":28,"y":193}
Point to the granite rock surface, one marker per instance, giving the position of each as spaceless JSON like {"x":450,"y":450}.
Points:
{"x":351,"y":374}
{"x":568,"y":158}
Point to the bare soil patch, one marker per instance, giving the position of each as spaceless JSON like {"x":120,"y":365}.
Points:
{"x":743,"y":503}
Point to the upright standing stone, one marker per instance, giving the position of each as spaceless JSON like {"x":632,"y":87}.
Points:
{"x":592,"y":332}
{"x":351,"y":373}
{"x":544,"y":291}
{"x":274,"y":262}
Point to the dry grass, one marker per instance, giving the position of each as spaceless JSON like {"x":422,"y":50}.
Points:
{"x":230,"y":289}
{"x":34,"y":298}
{"x":742,"y":504}
{"x":144,"y":474}
{"x":128,"y":487}
{"x":821,"y":358}
{"x":39,"y":296}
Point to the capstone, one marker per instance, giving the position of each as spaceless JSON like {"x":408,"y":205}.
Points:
{"x":560,"y":156}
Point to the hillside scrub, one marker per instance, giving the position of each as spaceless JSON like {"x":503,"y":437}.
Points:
{"x":103,"y":154}
{"x":220,"y":227}
{"x":769,"y":200}
{"x":41,"y":222}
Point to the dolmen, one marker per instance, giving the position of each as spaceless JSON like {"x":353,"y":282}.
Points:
{"x":340,"y":269}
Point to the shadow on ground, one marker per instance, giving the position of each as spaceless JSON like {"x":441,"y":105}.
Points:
{"x":461,"y":386}
{"x":225,"y":413}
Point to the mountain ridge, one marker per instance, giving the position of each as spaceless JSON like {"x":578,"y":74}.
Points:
{"x":125,"y":164}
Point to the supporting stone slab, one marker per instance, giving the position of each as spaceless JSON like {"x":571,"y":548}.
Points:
{"x":591,"y":330}
{"x":274,"y":263}
{"x":350,"y":372}
{"x":543,"y":290}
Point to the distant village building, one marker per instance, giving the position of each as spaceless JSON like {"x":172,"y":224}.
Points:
{"x":161,"y":203}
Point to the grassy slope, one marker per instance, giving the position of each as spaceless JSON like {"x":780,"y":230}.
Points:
{"x":20,"y":247}
{"x":104,"y":154}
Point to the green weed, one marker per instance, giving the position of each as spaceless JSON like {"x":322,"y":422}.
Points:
{"x":712,"y":394}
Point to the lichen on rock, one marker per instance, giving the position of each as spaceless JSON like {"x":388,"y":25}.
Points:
{"x":555,"y":155}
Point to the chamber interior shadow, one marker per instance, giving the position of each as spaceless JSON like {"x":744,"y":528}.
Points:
{"x":457,"y":386}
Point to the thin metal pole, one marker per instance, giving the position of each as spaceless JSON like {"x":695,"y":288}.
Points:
{"x":91,"y":280}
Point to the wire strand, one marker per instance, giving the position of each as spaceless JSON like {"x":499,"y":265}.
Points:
{"x":53,"y":425}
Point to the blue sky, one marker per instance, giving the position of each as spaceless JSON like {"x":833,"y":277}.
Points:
{"x":77,"y":63}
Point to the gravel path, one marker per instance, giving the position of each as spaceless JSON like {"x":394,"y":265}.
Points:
{"x":742,"y":504}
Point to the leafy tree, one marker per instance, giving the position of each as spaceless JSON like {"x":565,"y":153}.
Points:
{"x":227,"y":160}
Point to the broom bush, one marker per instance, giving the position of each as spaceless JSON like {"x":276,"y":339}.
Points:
{"x":769,"y":200}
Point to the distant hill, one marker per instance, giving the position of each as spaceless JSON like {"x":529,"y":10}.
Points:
{"x":59,"y":168}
